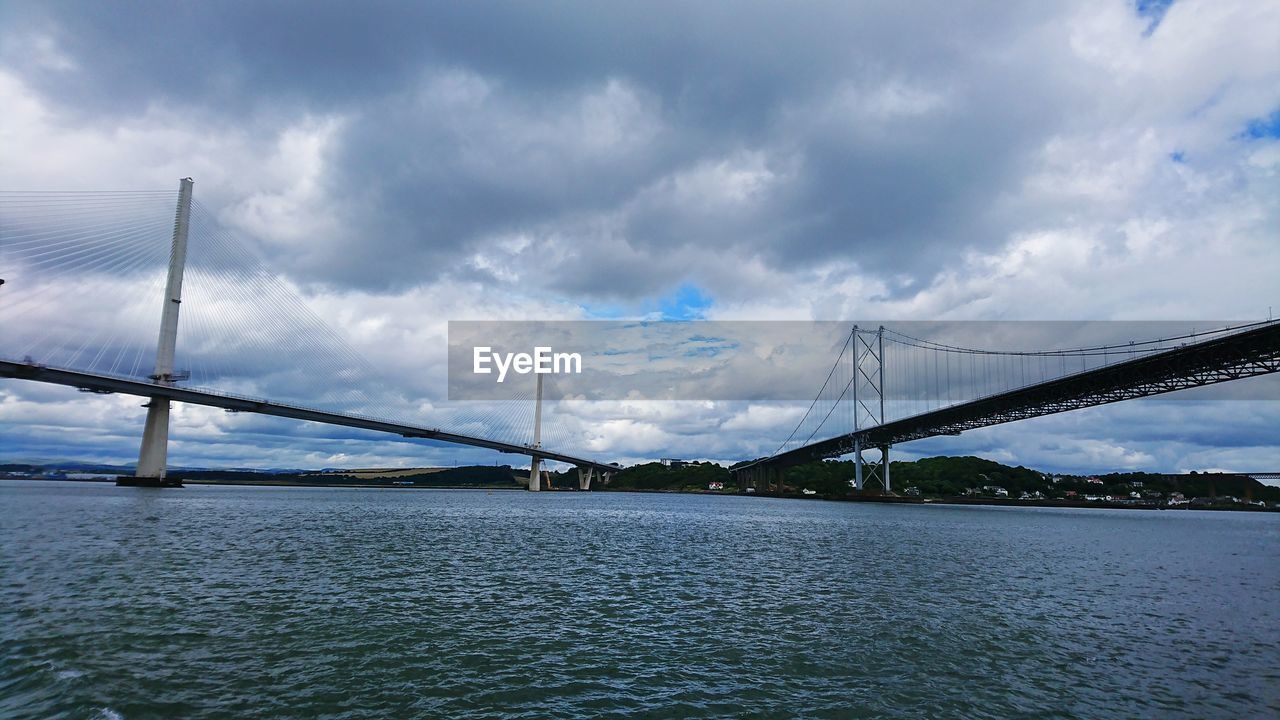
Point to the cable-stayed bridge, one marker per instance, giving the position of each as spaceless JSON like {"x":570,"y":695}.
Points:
{"x":99,"y":383}
{"x":85,"y":270}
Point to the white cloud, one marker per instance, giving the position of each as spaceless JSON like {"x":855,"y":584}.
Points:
{"x":287,"y":200}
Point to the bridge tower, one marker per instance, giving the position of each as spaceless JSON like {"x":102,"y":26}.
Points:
{"x":154,"y":453}
{"x":868,"y":403}
{"x":535,"y":477}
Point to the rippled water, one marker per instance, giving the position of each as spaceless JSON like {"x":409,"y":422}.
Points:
{"x":291,"y":602}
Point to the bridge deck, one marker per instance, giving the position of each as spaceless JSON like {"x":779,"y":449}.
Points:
{"x":1240,"y":355}
{"x":111,"y":384}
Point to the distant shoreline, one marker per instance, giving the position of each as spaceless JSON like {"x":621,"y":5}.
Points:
{"x":988,"y":502}
{"x":284,"y":483}
{"x":997,"y":502}
{"x":377,"y":486}
{"x":883,"y":499}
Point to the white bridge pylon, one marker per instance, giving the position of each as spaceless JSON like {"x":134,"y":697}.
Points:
{"x":153,"y":455}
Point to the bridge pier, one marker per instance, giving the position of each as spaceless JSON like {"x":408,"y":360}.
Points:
{"x":584,"y":478}
{"x":884,"y":460}
{"x":862,"y":469}
{"x":535,"y":474}
{"x":857,"y":464}
{"x":153,"y":454}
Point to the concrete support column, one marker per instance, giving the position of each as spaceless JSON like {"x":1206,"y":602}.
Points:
{"x":153,"y":454}
{"x":857,"y":464}
{"x":884,"y":460}
{"x":535,"y":474}
{"x":584,"y":478}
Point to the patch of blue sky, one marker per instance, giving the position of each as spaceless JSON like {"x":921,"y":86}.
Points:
{"x":701,"y":346}
{"x":688,"y":302}
{"x":703,"y":352}
{"x":1263,"y":127}
{"x":1178,"y":156}
{"x":1153,"y":11}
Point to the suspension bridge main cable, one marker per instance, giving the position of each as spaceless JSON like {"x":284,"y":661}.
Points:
{"x":905,"y":339}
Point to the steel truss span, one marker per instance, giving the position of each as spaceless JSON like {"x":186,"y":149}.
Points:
{"x":1241,"y":355}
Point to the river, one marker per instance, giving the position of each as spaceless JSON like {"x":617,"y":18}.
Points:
{"x":352,"y":603}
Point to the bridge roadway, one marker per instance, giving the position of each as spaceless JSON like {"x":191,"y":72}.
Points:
{"x":93,"y":382}
{"x":1251,"y":352}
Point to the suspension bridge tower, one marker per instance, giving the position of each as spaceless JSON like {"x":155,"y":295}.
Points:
{"x":868,"y":404}
{"x":153,"y":455}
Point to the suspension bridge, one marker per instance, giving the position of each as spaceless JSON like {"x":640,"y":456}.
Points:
{"x":1027,"y":384}
{"x":85,"y":270}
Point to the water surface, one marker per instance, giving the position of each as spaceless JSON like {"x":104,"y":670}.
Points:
{"x":352,"y":603}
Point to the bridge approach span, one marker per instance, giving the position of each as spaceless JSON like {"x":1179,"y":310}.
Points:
{"x":98,"y":383}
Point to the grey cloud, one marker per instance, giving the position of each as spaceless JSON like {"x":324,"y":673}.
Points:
{"x":421,"y":179}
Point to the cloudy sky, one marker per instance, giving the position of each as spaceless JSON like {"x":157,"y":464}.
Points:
{"x":402,"y":166}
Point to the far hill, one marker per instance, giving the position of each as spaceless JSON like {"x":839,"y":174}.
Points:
{"x":951,"y":477}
